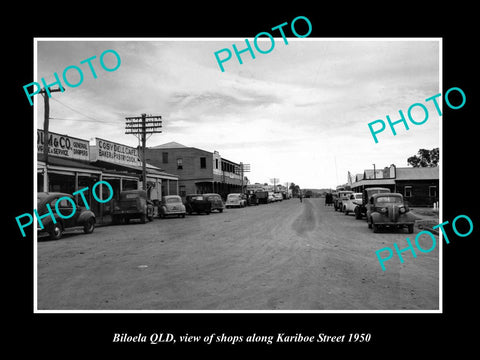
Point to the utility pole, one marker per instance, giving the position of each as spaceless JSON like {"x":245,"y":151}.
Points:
{"x":140,"y":126}
{"x":243,"y":169}
{"x":274,"y":180}
{"x":46,"y":121}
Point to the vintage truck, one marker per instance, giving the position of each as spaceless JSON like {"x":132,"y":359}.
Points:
{"x":389,"y":210}
{"x":132,"y":204}
{"x":361,"y":209}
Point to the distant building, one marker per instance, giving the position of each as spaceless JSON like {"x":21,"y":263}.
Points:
{"x":199,"y":171}
{"x":419,"y":186}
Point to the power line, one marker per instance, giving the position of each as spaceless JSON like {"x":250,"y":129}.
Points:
{"x":75,"y":110}
{"x":79,"y":112}
{"x":95,"y":121}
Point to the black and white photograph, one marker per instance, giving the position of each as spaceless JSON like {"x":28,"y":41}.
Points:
{"x":260,"y":183}
{"x":278,"y":153}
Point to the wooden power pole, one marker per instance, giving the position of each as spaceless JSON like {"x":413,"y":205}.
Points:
{"x":46,"y":123}
{"x":140,"y":126}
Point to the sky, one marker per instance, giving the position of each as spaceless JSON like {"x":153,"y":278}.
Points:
{"x":299,"y":113}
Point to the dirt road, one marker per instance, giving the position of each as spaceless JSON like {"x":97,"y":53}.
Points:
{"x":286,"y":255}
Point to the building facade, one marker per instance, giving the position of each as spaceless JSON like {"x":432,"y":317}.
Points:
{"x":74,"y":164}
{"x":420,"y":186}
{"x":199,"y":171}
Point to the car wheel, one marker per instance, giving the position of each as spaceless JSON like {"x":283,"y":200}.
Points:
{"x":220,"y":210}
{"x":183,"y":215}
{"x":89,"y":226}
{"x":56,"y":231}
{"x":375,"y":228}
{"x":410,"y":228}
{"x":143,"y":219}
{"x":369,"y":224}
{"x":150,"y":218}
{"x":346,"y":211}
{"x":207,"y":212}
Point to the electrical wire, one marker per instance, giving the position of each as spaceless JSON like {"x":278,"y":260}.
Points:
{"x":91,"y":119}
{"x":95,"y":121}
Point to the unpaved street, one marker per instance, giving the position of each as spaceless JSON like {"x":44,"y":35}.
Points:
{"x":286,"y":255}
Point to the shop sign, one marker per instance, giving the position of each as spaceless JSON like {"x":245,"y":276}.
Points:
{"x":115,"y":153}
{"x":63,"y":146}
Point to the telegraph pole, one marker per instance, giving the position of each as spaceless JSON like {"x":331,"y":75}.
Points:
{"x":140,"y":126}
{"x":275,"y":181}
{"x":144,"y":161}
{"x":46,"y":121}
{"x":243,"y":169}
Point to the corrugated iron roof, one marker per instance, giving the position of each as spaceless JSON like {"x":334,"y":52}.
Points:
{"x":417,"y":173}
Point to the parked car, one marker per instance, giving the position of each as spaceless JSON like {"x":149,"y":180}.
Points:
{"x":81,"y":218}
{"x":262,"y":196}
{"x":361,"y":209}
{"x":132,"y":204}
{"x":278,"y":196}
{"x":216,"y":201}
{"x":271,"y":198}
{"x":195,"y":203}
{"x":236,"y":200}
{"x":389,"y":210}
{"x":342,"y":196}
{"x":252,"y":199}
{"x":353,"y":201}
{"x":171,"y":205}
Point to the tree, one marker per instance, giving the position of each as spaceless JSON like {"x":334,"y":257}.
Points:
{"x":425,"y":158}
{"x":296,"y":190}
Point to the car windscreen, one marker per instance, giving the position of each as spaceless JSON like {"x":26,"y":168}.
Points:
{"x":359,"y":197}
{"x":172,"y":200}
{"x":389,"y":199}
{"x":233,"y":196}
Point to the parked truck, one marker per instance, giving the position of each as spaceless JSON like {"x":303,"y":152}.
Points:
{"x":262,"y":196}
{"x":132,"y":204}
{"x":361,"y":209}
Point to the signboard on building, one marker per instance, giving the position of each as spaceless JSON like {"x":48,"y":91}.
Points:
{"x":63,"y":146}
{"x":108,"y":151}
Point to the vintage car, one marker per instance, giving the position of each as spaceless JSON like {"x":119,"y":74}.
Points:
{"x":216,"y":201}
{"x":252,"y":198}
{"x":271,"y":197}
{"x":132,"y":204}
{"x":352,"y":202}
{"x":235,"y":200}
{"x":195,"y":203}
{"x":171,"y":205}
{"x":278,"y":196}
{"x":81,"y":218}
{"x":361,"y":210}
{"x":342,"y":196}
{"x":389,"y":210}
